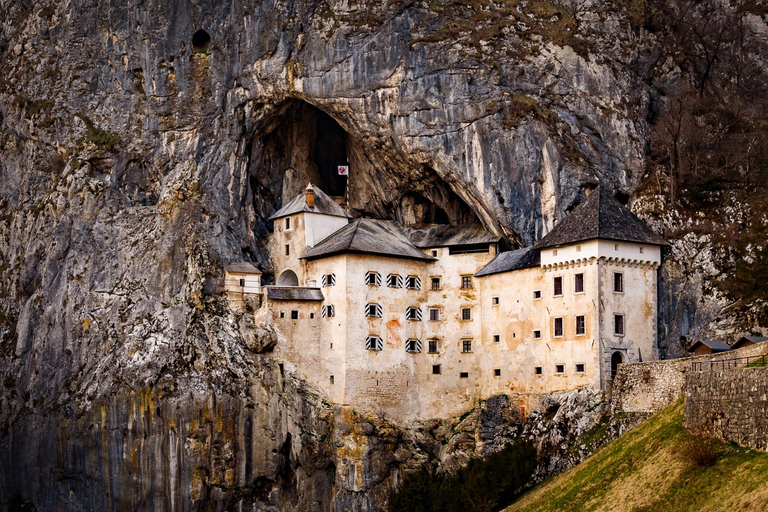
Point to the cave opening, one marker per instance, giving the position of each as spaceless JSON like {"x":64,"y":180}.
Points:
{"x":201,"y":41}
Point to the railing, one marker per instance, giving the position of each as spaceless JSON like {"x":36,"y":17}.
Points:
{"x":725,"y":364}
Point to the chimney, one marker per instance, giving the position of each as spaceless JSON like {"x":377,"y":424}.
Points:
{"x":309,"y":195}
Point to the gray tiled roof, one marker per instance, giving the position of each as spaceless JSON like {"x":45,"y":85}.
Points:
{"x":442,"y":235}
{"x":323,"y":204}
{"x":715,"y":345}
{"x":369,"y":236}
{"x":242,"y":268}
{"x":748,"y":340}
{"x":294,"y":293}
{"x":600,"y":216}
{"x":527,"y":257}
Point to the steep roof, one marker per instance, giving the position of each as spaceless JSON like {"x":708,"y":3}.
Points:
{"x":715,"y":345}
{"x":442,"y":235}
{"x":527,"y":257}
{"x":369,"y":236}
{"x":600,"y":216}
{"x":748,"y":340}
{"x":242,"y":268}
{"x":323,"y":204}
{"x":294,"y":293}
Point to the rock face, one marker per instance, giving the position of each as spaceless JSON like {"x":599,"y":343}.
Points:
{"x":143,"y":146}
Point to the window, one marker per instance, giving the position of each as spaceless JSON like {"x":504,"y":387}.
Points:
{"x":413,"y":313}
{"x":328,"y":311}
{"x":287,"y":250}
{"x":373,"y":279}
{"x":463,"y":375}
{"x":554,"y":252}
{"x":374,"y":343}
{"x":558,"y":327}
{"x":331,"y":379}
{"x":328,"y":280}
{"x":618,"y":325}
{"x":434,"y":253}
{"x":282,"y":314}
{"x":394,"y":281}
{"x":616,"y":247}
{"x":466,"y":345}
{"x":537,"y":333}
{"x":294,"y":315}
{"x":242,"y":282}
{"x":435,"y":369}
{"x":373,"y":310}
{"x":581,"y":325}
{"x":435,"y":283}
{"x":413,"y":283}
{"x":287,"y":223}
{"x":311,"y":315}
{"x":497,"y":372}
{"x":642,"y":250}
{"x":434,"y":314}
{"x":578,"y":248}
{"x":558,"y":286}
{"x":536,"y":294}
{"x":559,"y":368}
{"x":578,"y":283}
{"x":413,"y":346}
{"x":496,"y":338}
{"x":466,"y":313}
{"x":579,"y":367}
{"x":537,"y":370}
{"x":466,"y":282}
{"x":495,"y":301}
{"x":432,"y":346}
{"x":618,"y":282}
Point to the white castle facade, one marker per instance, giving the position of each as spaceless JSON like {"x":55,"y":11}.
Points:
{"x":421,"y":323}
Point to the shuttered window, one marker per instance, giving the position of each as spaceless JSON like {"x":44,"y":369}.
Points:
{"x":414,"y":283}
{"x":328,"y":280}
{"x":328,"y":311}
{"x":413,"y":346}
{"x":373,"y":310}
{"x":374,"y":343}
{"x":413,"y":313}
{"x":394,"y":281}
{"x":373,"y":279}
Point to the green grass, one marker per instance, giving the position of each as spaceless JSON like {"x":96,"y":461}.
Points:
{"x":648,"y":469}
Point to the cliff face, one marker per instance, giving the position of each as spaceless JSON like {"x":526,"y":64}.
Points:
{"x":143,"y":146}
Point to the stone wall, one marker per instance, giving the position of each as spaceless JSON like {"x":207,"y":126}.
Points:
{"x":651,"y":386}
{"x":731,"y":405}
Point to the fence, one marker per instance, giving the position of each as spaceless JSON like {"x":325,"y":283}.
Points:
{"x":725,"y":364}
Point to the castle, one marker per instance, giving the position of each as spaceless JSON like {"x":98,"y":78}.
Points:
{"x":421,"y":322}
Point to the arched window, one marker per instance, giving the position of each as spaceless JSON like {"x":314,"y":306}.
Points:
{"x":288,"y":278}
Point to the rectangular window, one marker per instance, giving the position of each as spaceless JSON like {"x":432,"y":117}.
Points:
{"x":434,"y":253}
{"x":537,"y":370}
{"x":497,"y":372}
{"x":466,"y":282}
{"x":374,"y":343}
{"x":618,"y":282}
{"x":581,"y":325}
{"x":466,"y":345}
{"x":579,"y":367}
{"x":435,"y":369}
{"x":434,"y":314}
{"x":432,"y":346}
{"x":287,"y":223}
{"x":463,"y":375}
{"x":373,"y":279}
{"x":413,"y":346}
{"x":328,"y":311}
{"x":435,"y":283}
{"x":311,"y":315}
{"x":328,"y":280}
{"x":536,"y":294}
{"x":394,"y":281}
{"x":495,"y":301}
{"x":618,"y":325}
{"x":242,"y":282}
{"x":413,"y":313}
{"x":413,"y":283}
{"x":287,"y":250}
{"x":294,"y":315}
{"x":331,"y":379}
{"x":282,"y":314}
{"x":373,"y":310}
{"x":558,"y":327}
{"x":578,"y":283}
{"x":559,"y":368}
{"x":558,"y":286}
{"x":496,"y":338}
{"x":537,"y":333}
{"x":466,"y":313}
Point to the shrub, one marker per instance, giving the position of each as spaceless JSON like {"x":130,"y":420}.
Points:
{"x":483,"y":485}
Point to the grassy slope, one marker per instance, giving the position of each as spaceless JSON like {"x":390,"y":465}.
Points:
{"x":646,"y":470}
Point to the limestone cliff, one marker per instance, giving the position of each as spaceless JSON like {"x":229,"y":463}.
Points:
{"x":143,"y":145}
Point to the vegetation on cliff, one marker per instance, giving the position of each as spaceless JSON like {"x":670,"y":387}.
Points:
{"x":658,"y":466}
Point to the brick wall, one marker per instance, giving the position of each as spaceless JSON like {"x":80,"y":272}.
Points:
{"x":731,"y":405}
{"x":651,"y":386}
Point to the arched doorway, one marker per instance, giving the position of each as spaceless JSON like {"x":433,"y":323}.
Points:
{"x":616,"y":360}
{"x":288,"y":278}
